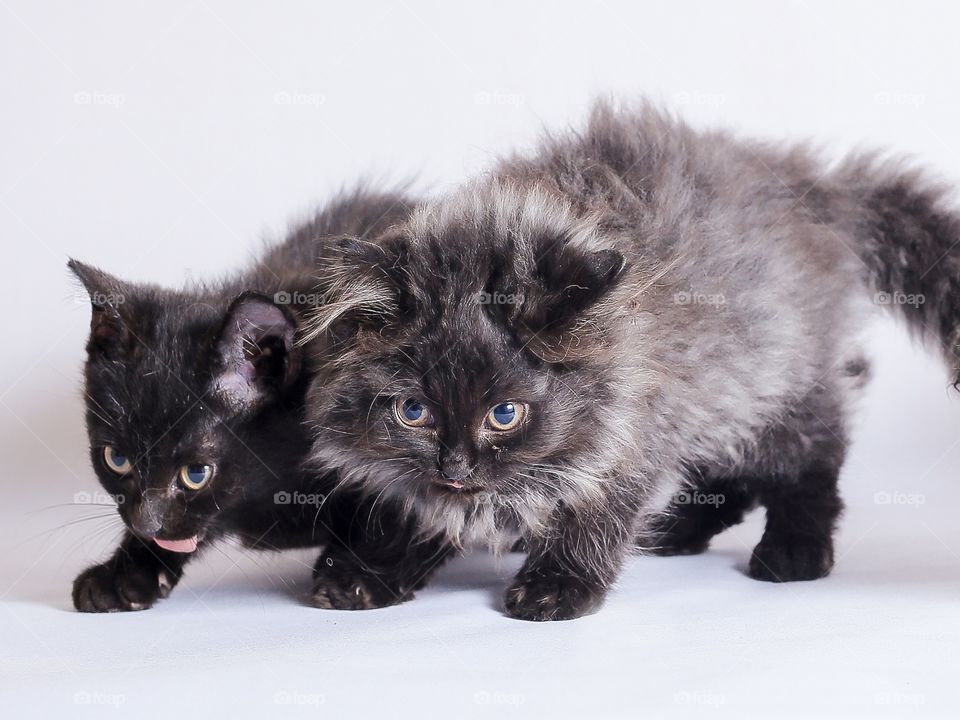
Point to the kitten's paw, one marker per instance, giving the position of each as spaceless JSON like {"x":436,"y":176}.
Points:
{"x":102,"y":589}
{"x":787,"y":562}
{"x":341,"y":586}
{"x":551,"y":597}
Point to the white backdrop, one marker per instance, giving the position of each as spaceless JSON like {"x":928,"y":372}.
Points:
{"x":169,"y":140}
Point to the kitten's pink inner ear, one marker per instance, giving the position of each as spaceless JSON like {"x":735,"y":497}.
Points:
{"x":236,"y":388}
{"x":250,"y":334}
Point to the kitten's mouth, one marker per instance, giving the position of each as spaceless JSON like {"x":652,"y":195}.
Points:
{"x":187,"y":545}
{"x":458,"y":488}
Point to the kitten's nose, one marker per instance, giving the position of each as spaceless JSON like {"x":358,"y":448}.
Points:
{"x":455,"y":474}
{"x":147,"y":516}
{"x":455,"y":466}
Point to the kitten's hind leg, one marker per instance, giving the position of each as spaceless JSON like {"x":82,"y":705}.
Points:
{"x":797,"y":543}
{"x":803,"y":458}
{"x":138,"y":574}
{"x":697,"y":514}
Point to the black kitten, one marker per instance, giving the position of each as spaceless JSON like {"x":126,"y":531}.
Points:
{"x":564,"y":348}
{"x":195,"y":413}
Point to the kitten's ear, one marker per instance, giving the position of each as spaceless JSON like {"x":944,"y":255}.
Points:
{"x":256,"y":356}
{"x":361,"y":283}
{"x":560,"y":311}
{"x":110,"y":334}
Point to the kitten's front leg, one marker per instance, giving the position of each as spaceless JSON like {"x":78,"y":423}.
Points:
{"x":371,"y":566}
{"x":375,"y":574}
{"x":138,"y":574}
{"x":572,"y":565}
{"x":375,"y":555}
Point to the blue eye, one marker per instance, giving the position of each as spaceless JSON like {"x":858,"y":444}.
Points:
{"x":412,"y":410}
{"x":195,"y":476}
{"x":506,"y":416}
{"x":412,"y":413}
{"x":116,"y":461}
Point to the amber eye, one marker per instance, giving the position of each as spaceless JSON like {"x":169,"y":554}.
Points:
{"x":116,"y":461}
{"x":506,"y":416}
{"x":412,"y":413}
{"x":194,"y":477}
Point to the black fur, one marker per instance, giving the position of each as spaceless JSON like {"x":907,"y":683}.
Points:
{"x":213,"y":375}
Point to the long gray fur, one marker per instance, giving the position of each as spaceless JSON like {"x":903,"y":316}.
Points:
{"x":725,"y":347}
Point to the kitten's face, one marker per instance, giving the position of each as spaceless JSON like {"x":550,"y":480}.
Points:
{"x":170,"y":380}
{"x":460,"y":409}
{"x":470,"y":391}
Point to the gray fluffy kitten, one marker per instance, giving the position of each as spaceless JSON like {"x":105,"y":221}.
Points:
{"x":629,"y":337}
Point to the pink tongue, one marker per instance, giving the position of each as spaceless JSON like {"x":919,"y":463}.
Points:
{"x":180,"y":546}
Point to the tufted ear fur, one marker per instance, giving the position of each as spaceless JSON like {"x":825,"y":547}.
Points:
{"x":363,"y":285}
{"x":110,"y":334}
{"x":255,"y":354}
{"x":560,"y":299}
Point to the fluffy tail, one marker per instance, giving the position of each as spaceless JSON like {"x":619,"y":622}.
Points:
{"x":908,"y":236}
